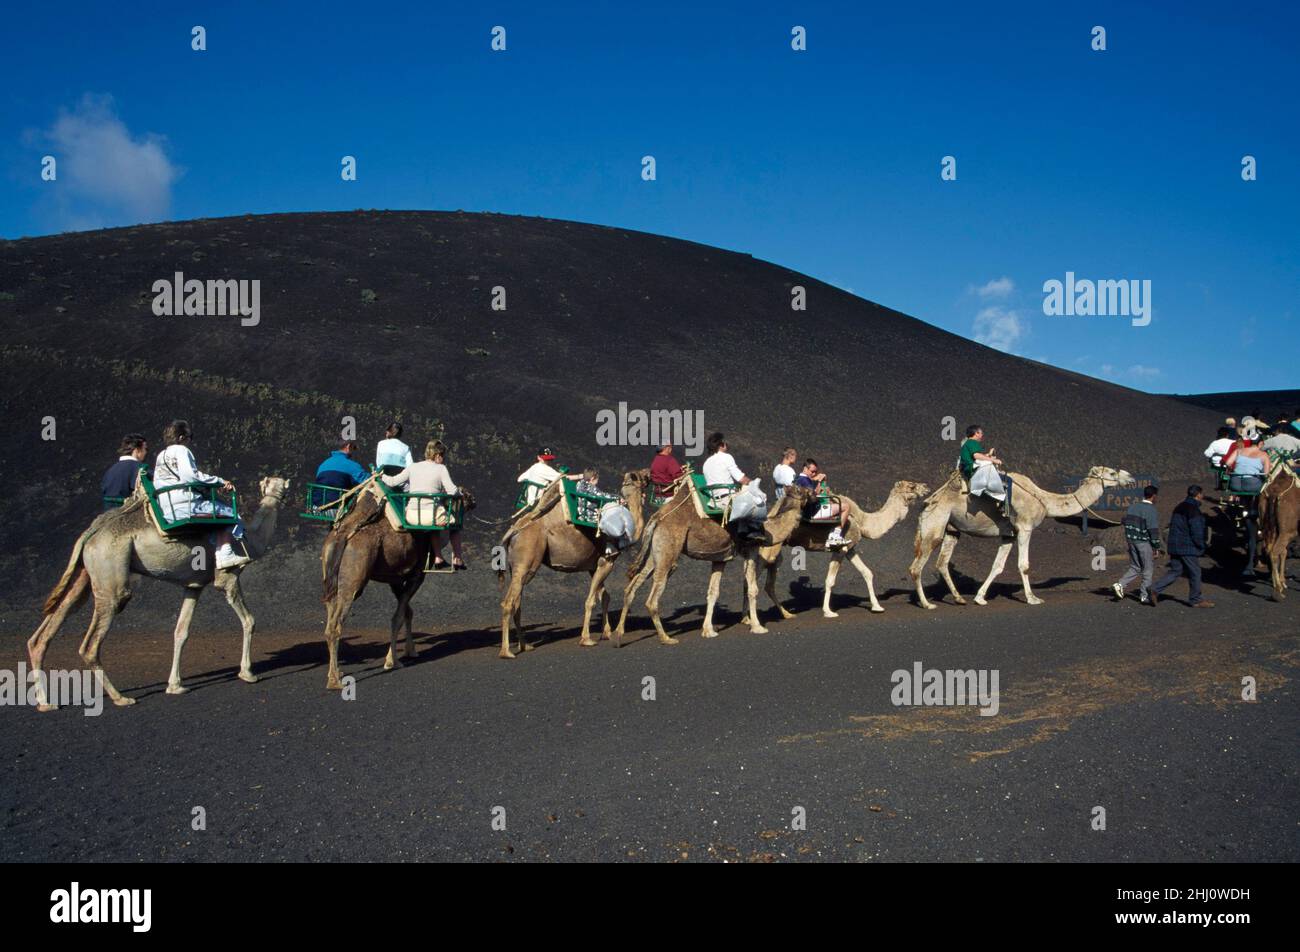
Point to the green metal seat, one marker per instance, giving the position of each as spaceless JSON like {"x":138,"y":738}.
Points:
{"x":113,"y":502}
{"x":206,"y":492}
{"x":321,"y":503}
{"x":585,"y":516}
{"x":824,"y":496}
{"x":446,"y":512}
{"x":522,"y":501}
{"x":705,"y":492}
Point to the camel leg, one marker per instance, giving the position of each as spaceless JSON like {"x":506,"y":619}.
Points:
{"x":867,"y":577}
{"x":832,"y":572}
{"x":751,"y":593}
{"x":510,"y":608}
{"x":48,"y":628}
{"x":595,"y":592}
{"x":633,"y":584}
{"x":404,"y":591}
{"x":1277,"y":569}
{"x":235,"y":599}
{"x":335,"y":614}
{"x":106,"y":610}
{"x":179,"y":637}
{"x":925,"y":544}
{"x":1022,"y":562}
{"x":770,"y":588}
{"x":999,"y":563}
{"x":715,"y":585}
{"x":657,"y":585}
{"x":944,"y":560}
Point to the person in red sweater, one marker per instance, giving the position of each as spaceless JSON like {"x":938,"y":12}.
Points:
{"x":664,"y":470}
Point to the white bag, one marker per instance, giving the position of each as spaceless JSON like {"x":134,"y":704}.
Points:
{"x":749,"y":502}
{"x":985,"y":481}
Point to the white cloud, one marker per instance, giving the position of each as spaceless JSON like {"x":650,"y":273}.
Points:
{"x":1000,"y":327}
{"x":996,"y":289}
{"x":106,"y":175}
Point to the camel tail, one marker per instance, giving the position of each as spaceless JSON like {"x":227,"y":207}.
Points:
{"x":74,"y":564}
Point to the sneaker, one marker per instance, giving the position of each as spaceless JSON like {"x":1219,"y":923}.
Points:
{"x":1118,"y":589}
{"x":836,"y":538}
{"x":1143,"y":599}
{"x":1203,"y":603}
{"x":1153,"y":597}
{"x":227,"y":558}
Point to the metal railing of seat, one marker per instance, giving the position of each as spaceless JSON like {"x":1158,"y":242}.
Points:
{"x":705,"y":491}
{"x":113,"y":502}
{"x":162,"y":500}
{"x":433,"y":512}
{"x":321,"y":503}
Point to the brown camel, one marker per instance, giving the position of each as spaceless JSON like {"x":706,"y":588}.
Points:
{"x":543,"y":536}
{"x":952,"y":511}
{"x":124,"y":542}
{"x":861,"y":525}
{"x":361,"y":547}
{"x":1279,"y":520}
{"x":679,"y":528}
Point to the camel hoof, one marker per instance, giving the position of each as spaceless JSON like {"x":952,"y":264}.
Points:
{"x":928,"y":606}
{"x":708,"y":634}
{"x":1035,"y":601}
{"x":177,"y":688}
{"x":876,"y":610}
{"x":248,"y":677}
{"x":961,"y":601}
{"x":669,"y":640}
{"x":759,"y":630}
{"x":389,"y":664}
{"x":124,"y":701}
{"x":978,"y":601}
{"x":46,"y":708}
{"x":333,"y":684}
{"x":588,"y":642}
{"x":526,"y":647}
{"x":505,"y":654}
{"x":830,"y":614}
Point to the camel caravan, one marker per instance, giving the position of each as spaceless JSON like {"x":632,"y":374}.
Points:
{"x":390,"y":522}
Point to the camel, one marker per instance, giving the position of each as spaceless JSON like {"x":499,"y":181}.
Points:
{"x":361,"y":547}
{"x":1279,"y":519}
{"x":124,"y":542}
{"x":680,"y":529}
{"x":861,"y":525}
{"x":952,"y":511}
{"x":543,"y":536}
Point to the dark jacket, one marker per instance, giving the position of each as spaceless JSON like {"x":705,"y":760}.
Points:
{"x":1187,"y":529}
{"x":119,"y":479}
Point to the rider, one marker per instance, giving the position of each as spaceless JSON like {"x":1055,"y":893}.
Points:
{"x":431,"y":475}
{"x":176,"y":466}
{"x":608,"y":511}
{"x":541,"y":472}
{"x":340,"y":472}
{"x":665,"y":470}
{"x":1220,"y":445}
{"x":814,"y":480}
{"x":721,"y":472}
{"x":1248,"y":463}
{"x":979,"y":467}
{"x":783,"y":473}
{"x":392,"y":455}
{"x":120,"y":478}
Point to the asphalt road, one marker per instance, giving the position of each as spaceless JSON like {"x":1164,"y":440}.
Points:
{"x":1133,"y":709}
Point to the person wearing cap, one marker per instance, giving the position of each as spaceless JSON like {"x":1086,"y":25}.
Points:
{"x":665,"y":470}
{"x":541,"y":472}
{"x":1142,"y":531}
{"x":1187,"y":538}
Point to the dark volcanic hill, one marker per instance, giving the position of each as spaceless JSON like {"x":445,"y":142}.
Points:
{"x":1268,"y":405}
{"x":380,"y":315}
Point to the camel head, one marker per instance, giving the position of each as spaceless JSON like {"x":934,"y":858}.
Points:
{"x":638,"y":479}
{"x":1111,"y":477}
{"x":468,"y":498}
{"x":910,"y":491}
{"x":275,"y":488}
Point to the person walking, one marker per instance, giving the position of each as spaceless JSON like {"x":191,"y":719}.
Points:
{"x":1142,"y":530}
{"x":1186,"y":546}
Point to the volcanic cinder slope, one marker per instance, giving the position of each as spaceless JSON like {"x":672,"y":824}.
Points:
{"x":594,"y":316}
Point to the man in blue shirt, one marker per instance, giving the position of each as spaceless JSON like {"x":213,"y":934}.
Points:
{"x":340,"y":472}
{"x":119,"y":479}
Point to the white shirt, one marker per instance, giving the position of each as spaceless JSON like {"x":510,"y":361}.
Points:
{"x":721,"y":468}
{"x":540,"y":472}
{"x":1214,"y":452}
{"x":783,"y":476}
{"x":393,"y":452}
{"x":175,"y":465}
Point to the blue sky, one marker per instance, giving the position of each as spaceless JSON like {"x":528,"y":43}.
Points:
{"x":1117,"y":164}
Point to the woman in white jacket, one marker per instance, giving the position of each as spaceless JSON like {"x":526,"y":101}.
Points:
{"x":431,"y":475}
{"x":176,"y":466}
